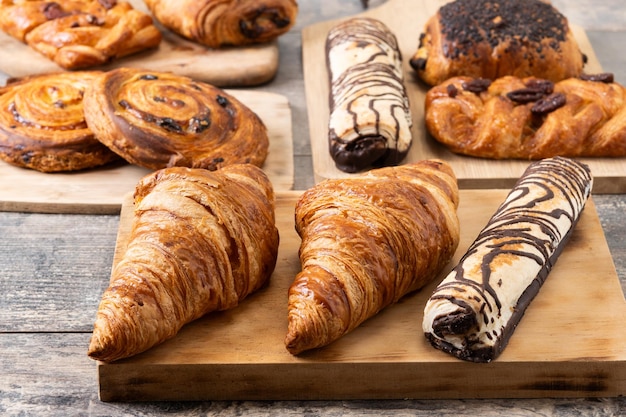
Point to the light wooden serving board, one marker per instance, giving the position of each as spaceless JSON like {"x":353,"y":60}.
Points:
{"x":102,"y":190}
{"x":407,"y":18}
{"x":224,"y":67}
{"x":570,"y":343}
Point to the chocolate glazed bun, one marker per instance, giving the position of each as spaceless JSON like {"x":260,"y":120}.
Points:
{"x":158,"y":120}
{"x":370,"y":120}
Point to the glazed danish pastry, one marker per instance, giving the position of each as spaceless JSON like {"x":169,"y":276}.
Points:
{"x":80,"y":33}
{"x":42,"y":124}
{"x":529,"y":118}
{"x":217,"y":23}
{"x":474,"y":311}
{"x":370,"y":118}
{"x":201,"y":241}
{"x":159,"y":120}
{"x":494,"y":38}
{"x":367,"y":241}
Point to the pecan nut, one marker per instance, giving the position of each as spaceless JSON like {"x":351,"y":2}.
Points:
{"x":605,"y":77}
{"x":477,"y":85}
{"x":548,"y":104}
{"x":525,"y":95}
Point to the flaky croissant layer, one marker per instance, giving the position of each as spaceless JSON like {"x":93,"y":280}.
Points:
{"x":201,"y":241}
{"x":366,"y":242}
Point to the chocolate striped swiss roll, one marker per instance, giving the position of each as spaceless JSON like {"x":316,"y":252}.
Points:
{"x":370,"y":119}
{"x":475,"y":309}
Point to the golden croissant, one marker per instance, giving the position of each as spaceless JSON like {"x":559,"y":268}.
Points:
{"x":367,"y":241}
{"x":201,"y":241}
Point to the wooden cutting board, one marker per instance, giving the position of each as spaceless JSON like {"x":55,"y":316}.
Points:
{"x":226,"y":67}
{"x":102,"y":190}
{"x":570,"y":343}
{"x":407,"y":19}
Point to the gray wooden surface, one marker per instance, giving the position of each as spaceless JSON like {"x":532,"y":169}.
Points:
{"x":53,"y":269}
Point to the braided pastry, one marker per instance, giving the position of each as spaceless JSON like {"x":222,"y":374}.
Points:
{"x":530,"y":118}
{"x":366,"y":242}
{"x":475,"y":309}
{"x":494,"y":38}
{"x":158,"y":120}
{"x":42,"y":124}
{"x":218,"y":23}
{"x":80,"y":33}
{"x":370,"y":119}
{"x":201,"y":241}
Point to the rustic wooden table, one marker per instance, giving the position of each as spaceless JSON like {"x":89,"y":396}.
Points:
{"x":54,"y":267}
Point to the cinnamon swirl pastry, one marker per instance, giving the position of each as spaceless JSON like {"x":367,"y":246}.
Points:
{"x":42,"y":124}
{"x":217,"y":23}
{"x":80,"y":33}
{"x":159,"y":120}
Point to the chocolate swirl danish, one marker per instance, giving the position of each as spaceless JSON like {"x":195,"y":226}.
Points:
{"x":159,"y":120}
{"x":475,"y":309}
{"x":370,"y":119}
{"x":42,"y":124}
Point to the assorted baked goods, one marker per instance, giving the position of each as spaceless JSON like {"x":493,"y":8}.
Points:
{"x":219,"y":23}
{"x":494,"y":38}
{"x":201,"y":242}
{"x":370,"y":118}
{"x":474,"y":311}
{"x":367,"y":241}
{"x":529,"y":118}
{"x":42,"y":124}
{"x":157,"y":120}
{"x":80,"y":33}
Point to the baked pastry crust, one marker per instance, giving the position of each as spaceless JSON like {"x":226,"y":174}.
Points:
{"x":159,"y":120}
{"x":80,"y":33}
{"x":367,"y":241}
{"x":201,"y":241}
{"x":529,"y":118}
{"x":42,"y":124}
{"x":495,"y":38}
{"x":474,"y":311}
{"x":370,"y":117}
{"x":218,"y":23}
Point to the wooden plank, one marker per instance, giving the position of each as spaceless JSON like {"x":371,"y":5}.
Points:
{"x":407,"y":19}
{"x":225,"y":67}
{"x":102,"y":190}
{"x":569,"y":344}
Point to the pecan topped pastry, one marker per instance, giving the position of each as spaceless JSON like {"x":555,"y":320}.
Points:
{"x":494,"y":38}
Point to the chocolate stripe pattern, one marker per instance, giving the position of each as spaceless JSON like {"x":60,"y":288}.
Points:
{"x":475,"y":309}
{"x":370,"y":119}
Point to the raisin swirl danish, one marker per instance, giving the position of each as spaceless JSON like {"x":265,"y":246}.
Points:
{"x":494,"y":38}
{"x":42,"y":124}
{"x":474,"y":311}
{"x":201,"y":241}
{"x":159,"y":120}
{"x":367,"y":241}
{"x":529,"y":118}
{"x":80,"y":33}
{"x":370,"y":118}
{"x":217,"y":23}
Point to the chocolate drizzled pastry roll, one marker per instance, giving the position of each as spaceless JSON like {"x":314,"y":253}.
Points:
{"x":476,"y":308}
{"x":494,"y":38}
{"x":370,"y":119}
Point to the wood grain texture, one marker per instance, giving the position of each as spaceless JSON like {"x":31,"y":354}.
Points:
{"x":407,"y":19}
{"x":569,"y":344}
{"x":224,"y":67}
{"x":101,"y":190}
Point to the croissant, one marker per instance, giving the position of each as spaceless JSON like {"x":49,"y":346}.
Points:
{"x":201,"y":241}
{"x":158,"y":120}
{"x":80,"y":33}
{"x":367,"y":241}
{"x":42,"y":124}
{"x":473,"y":312}
{"x":494,"y":38}
{"x":529,"y":118}
{"x":217,"y":23}
{"x":370,"y":118}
